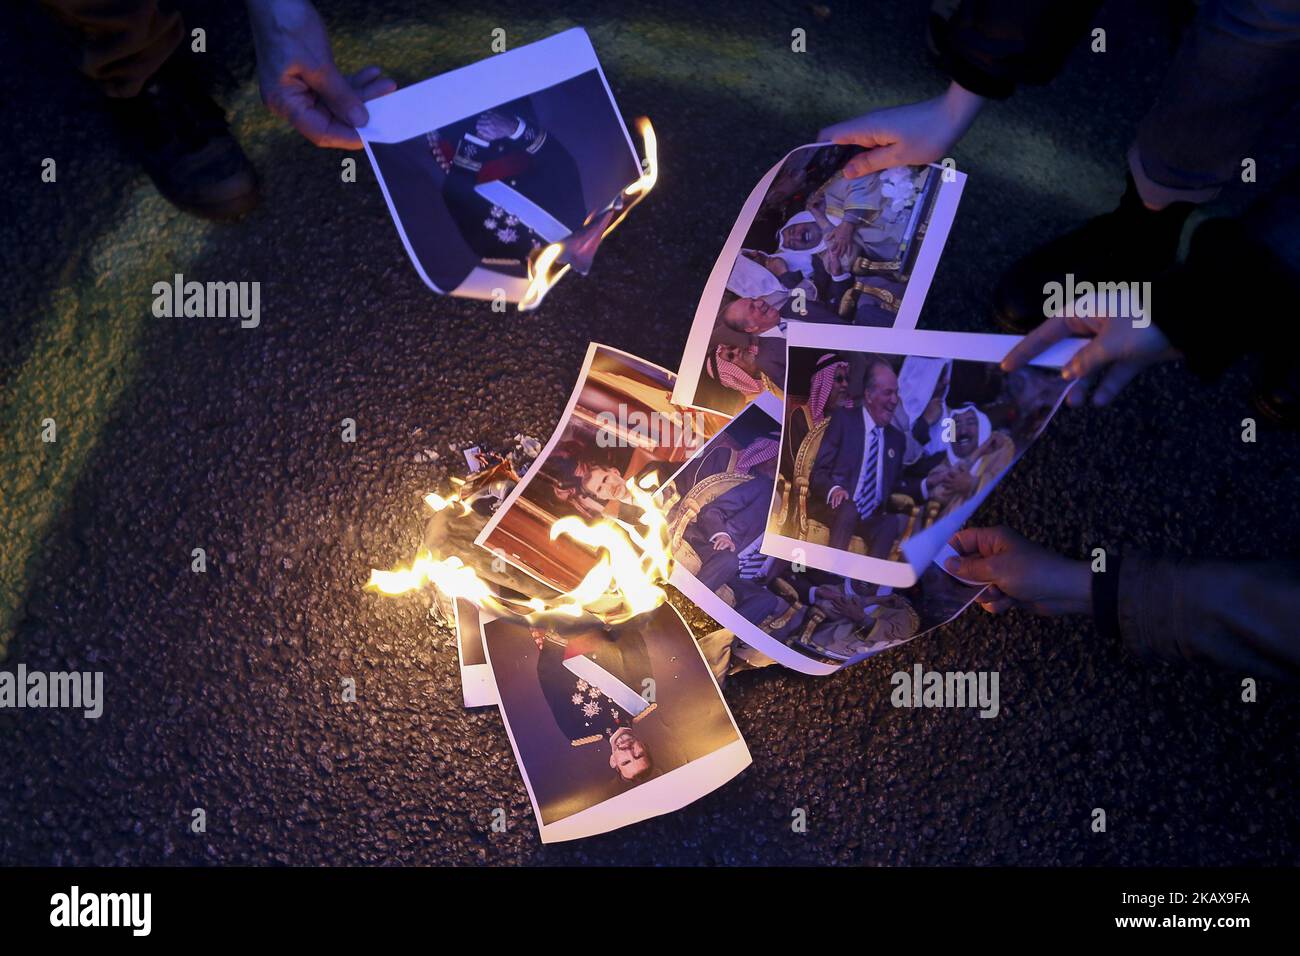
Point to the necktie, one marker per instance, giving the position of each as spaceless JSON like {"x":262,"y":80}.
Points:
{"x":866,"y":497}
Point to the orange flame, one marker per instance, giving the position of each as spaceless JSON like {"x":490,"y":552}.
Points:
{"x":543,"y":272}
{"x":626,"y":580}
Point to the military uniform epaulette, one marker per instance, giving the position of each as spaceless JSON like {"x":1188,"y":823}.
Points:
{"x":644,"y":713}
{"x":535,"y":139}
{"x":583,"y":741}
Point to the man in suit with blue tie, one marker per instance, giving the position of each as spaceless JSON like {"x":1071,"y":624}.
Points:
{"x":860,"y":464}
{"x":729,"y":530}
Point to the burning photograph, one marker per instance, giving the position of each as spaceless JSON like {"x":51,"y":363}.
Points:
{"x":891,"y":444}
{"x":619,"y":433}
{"x":813,"y":246}
{"x":485,"y":166}
{"x":611,"y":725}
{"x":808,"y":619}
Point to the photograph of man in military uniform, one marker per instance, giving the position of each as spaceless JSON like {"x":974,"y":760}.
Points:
{"x":595,"y":712}
{"x":491,"y":189}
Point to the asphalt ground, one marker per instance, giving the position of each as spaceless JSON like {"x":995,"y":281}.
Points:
{"x":223,"y":688}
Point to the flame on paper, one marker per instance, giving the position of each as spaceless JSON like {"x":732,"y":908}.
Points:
{"x":544,"y":270}
{"x":626,"y":581}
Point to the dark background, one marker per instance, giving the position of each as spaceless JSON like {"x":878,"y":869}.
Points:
{"x":223,"y":689}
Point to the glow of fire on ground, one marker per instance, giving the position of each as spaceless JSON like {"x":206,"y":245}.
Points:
{"x":625,"y":582}
{"x":542,"y":270}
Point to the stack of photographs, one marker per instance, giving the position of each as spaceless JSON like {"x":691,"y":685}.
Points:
{"x":609,"y":724}
{"x":812,"y":457}
{"x":815,"y":527}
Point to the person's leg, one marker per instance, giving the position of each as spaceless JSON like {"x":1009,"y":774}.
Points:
{"x":1237,"y":67}
{"x":717,"y":568}
{"x":879,"y":532}
{"x":1236,"y":71}
{"x":122,"y":43}
{"x":844,"y":522}
{"x":133,"y":52}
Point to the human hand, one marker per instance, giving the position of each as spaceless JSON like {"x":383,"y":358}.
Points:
{"x":298,"y":78}
{"x":723,"y":542}
{"x":910,"y":135}
{"x":958,"y":483}
{"x":834,"y":266}
{"x":933,"y":409}
{"x":937,"y":479}
{"x":1021,"y":573}
{"x":847,"y":606}
{"x":1118,"y":348}
{"x":493,"y":125}
{"x":840,"y":241}
{"x":838,"y":497}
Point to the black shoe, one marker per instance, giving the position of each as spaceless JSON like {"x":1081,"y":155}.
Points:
{"x":1276,"y":396}
{"x":181,"y":138}
{"x":1130,"y":244}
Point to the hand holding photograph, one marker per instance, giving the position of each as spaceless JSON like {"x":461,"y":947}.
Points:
{"x":893,"y":438}
{"x":308,"y":570}
{"x":808,"y":619}
{"x":485,"y":166}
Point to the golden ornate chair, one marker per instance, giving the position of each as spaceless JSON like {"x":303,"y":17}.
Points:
{"x":809,"y":529}
{"x":685,"y":512}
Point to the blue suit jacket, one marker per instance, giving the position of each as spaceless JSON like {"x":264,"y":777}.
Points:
{"x":843,"y":447}
{"x":740,"y":512}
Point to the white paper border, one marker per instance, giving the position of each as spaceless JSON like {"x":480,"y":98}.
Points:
{"x":478,"y":688}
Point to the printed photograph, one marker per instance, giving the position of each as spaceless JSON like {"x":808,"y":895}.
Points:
{"x":611,"y":725}
{"x":475,"y":197}
{"x":886,"y":452}
{"x":620,"y":426}
{"x":814,"y":246}
{"x":477,"y":687}
{"x":809,"y":619}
